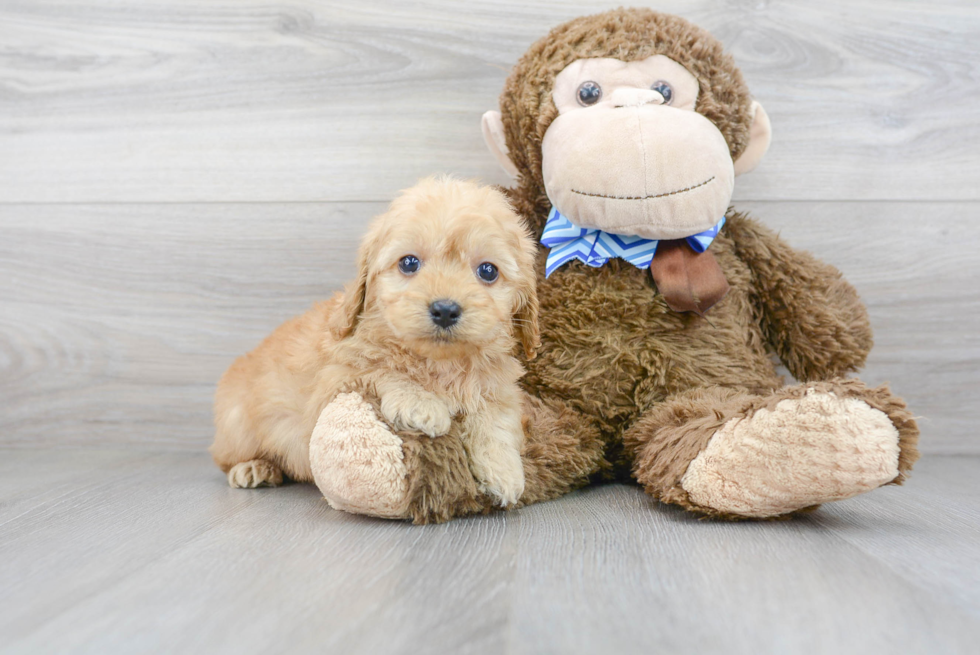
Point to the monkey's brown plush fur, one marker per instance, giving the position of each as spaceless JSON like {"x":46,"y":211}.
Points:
{"x":625,"y":387}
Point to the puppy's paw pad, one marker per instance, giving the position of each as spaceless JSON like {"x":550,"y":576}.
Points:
{"x":254,"y":473}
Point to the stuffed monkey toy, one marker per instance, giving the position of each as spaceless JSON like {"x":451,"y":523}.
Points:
{"x":660,"y":306}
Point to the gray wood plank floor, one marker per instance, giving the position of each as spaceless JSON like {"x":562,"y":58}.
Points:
{"x":123,"y":551}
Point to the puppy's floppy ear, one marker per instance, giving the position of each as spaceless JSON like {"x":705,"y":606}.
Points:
{"x":344,"y":320}
{"x":526,"y":311}
{"x":526,"y":321}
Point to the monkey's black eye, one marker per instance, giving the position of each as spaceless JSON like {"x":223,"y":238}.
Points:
{"x":487,"y":272}
{"x":589,"y":93}
{"x":663,"y":89}
{"x":409,"y":264}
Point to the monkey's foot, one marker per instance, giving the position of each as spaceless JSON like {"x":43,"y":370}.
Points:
{"x":358,"y":462}
{"x":730,"y":454}
{"x":797,"y":453}
{"x":362,"y":465}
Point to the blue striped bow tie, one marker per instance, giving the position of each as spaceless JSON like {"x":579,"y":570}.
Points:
{"x":595,"y":247}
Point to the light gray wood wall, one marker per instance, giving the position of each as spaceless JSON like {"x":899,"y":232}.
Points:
{"x":177,"y":178}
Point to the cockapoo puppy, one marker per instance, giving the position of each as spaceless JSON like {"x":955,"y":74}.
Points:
{"x":427,"y":331}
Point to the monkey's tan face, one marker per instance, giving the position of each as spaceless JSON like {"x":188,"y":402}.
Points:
{"x":628,"y":154}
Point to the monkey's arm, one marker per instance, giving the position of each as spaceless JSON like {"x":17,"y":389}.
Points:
{"x":810,"y":314}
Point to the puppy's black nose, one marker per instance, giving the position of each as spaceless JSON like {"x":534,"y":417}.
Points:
{"x":445,"y":313}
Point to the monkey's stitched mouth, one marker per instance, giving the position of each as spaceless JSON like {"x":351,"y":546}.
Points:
{"x":659,"y":195}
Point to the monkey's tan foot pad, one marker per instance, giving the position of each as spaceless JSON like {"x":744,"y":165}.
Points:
{"x":802,"y":452}
{"x":357,"y":461}
{"x":254,"y":473}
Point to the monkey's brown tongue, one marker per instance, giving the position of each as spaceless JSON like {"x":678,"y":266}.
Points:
{"x":688,"y":281}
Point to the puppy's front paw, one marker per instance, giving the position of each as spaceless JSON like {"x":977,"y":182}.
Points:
{"x":499,"y":474}
{"x":426,"y":414}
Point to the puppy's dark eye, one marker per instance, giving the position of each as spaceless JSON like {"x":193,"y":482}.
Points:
{"x":409,"y":264}
{"x":663,"y":89}
{"x":589,"y":93}
{"x":487,"y":272}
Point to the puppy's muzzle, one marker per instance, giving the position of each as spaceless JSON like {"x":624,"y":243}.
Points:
{"x":445,"y":313}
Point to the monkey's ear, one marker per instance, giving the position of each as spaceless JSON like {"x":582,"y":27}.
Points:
{"x":493,"y":134}
{"x":760,"y":134}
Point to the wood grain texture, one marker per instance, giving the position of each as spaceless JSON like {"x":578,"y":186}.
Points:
{"x":916,"y":267}
{"x":118,"y":320}
{"x":255,"y":100}
{"x":154,"y":553}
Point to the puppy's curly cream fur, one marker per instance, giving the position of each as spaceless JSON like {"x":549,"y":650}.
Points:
{"x":379,"y":338}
